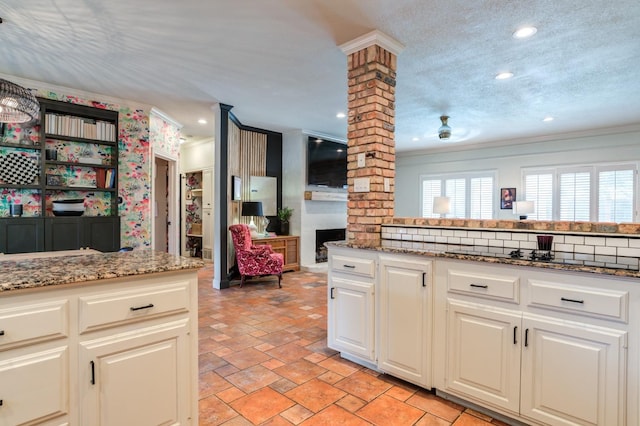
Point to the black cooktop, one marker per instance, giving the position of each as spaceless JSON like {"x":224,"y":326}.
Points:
{"x":547,"y":256}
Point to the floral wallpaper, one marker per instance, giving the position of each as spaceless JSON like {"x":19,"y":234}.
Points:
{"x":193,"y":213}
{"x":134,"y":170}
{"x":138,"y":133}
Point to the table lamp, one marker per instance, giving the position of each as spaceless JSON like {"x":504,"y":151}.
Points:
{"x":252,"y":208}
{"x":441,"y":205}
{"x":523,"y":208}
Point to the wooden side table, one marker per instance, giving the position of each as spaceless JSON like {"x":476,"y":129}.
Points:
{"x":287,"y":245}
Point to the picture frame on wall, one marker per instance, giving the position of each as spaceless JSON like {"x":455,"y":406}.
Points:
{"x":507,"y":197}
{"x":54,"y":180}
{"x":236,"y":188}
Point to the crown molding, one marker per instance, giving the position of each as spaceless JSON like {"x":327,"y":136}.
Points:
{"x":165,"y":117}
{"x":375,"y":37}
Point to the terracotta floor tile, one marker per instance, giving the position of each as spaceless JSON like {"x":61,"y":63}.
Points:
{"x":272,"y":364}
{"x":363,"y":385}
{"x":210,"y":383}
{"x":334,"y":416}
{"x":297,"y":414}
{"x":226,"y":370}
{"x":339,"y":366}
{"x":300,"y":371}
{"x":277,"y":421}
{"x":351,"y":403}
{"x":469,"y":420}
{"x":434,"y":405}
{"x":289,"y":352}
{"x":399,"y":393}
{"x":230,"y":394}
{"x":261,"y":405}
{"x":315,"y":357}
{"x":246,"y":358}
{"x":330,"y":377}
{"x":253,"y":378}
{"x":315,"y":395}
{"x":385,"y":411}
{"x":210,"y":361}
{"x":478,"y":415}
{"x":431,"y":420}
{"x":236,"y":421}
{"x":214,"y":412}
{"x":283,"y":385}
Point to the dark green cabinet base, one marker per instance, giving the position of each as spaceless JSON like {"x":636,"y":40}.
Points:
{"x":24,"y":235}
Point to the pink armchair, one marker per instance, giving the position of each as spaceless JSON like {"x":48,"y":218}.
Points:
{"x":253,"y":260}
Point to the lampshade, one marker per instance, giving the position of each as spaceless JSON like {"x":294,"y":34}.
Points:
{"x":523,"y":208}
{"x":17,"y":104}
{"x":252,"y":208}
{"x":441,"y":205}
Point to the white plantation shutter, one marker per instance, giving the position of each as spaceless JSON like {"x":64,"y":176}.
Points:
{"x":538,"y":187}
{"x":455,"y":189}
{"x":615,"y":195}
{"x":481,"y":202}
{"x":575,"y":196}
{"x":430,"y":188}
{"x":471,"y":194}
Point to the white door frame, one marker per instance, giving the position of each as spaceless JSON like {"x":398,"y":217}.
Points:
{"x":173,"y":201}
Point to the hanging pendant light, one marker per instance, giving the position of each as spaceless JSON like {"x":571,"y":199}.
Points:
{"x":17,"y":104}
{"x":444,"y":132}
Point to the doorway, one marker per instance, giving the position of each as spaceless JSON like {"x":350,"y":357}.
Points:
{"x":165,"y":205}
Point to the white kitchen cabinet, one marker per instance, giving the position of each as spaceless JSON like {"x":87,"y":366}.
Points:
{"x":572,"y":374}
{"x":483,"y":353}
{"x":207,"y":189}
{"x":207,"y":234}
{"x":136,"y":377}
{"x":405,"y":316}
{"x":551,"y":352}
{"x":121,"y":351}
{"x":351,"y":304}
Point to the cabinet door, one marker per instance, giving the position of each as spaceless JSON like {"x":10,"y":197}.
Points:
{"x":34,"y":387}
{"x":21,"y":235}
{"x":573,"y":374}
{"x":351,"y":320}
{"x":137,"y":378}
{"x":63,"y":233}
{"x":483,"y":354}
{"x":207,"y":189}
{"x":405,"y":319}
{"x":102,"y":233}
{"x":207,"y":228}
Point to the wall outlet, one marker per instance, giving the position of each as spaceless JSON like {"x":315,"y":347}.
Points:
{"x":361,"y":160}
{"x":387,"y":185}
{"x":361,"y":184}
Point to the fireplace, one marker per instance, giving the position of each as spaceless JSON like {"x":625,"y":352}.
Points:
{"x":324,"y":235}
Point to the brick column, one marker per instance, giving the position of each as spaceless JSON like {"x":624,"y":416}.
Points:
{"x":371,"y":67}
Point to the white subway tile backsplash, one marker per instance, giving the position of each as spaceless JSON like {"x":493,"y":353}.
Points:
{"x":617,"y":242}
{"x":447,"y":233}
{"x":435,"y":232}
{"x":503,"y":235}
{"x":480,"y":242}
{"x":607,"y":251}
{"x":630,"y":252}
{"x":574,"y":239}
{"x":474,"y":234}
{"x":634,"y":242}
{"x":407,"y":236}
{"x":488,"y":235}
{"x":412,"y":231}
{"x":584,"y":249}
{"x":442,"y":240}
{"x":607,"y":259}
{"x":466,"y":241}
{"x":496,"y":243}
{"x":461,"y":234}
{"x":423,"y":231}
{"x":453,"y":240}
{"x":385,"y":235}
{"x":512,"y":244}
{"x":520,"y":236}
{"x":528,"y":245}
{"x":595,"y":241}
{"x":563,"y":247}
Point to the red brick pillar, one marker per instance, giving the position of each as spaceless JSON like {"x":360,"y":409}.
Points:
{"x":371,"y":67}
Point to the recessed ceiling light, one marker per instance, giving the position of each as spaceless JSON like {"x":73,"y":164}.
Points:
{"x":415,"y":139}
{"x":339,"y":150}
{"x":202,"y":121}
{"x":548,"y":118}
{"x":504,"y":75}
{"x":318,"y":140}
{"x":341,"y":115}
{"x":525,"y":32}
{"x":182,"y":140}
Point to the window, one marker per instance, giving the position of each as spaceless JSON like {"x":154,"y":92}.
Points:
{"x":471,"y":195}
{"x":602,"y":193}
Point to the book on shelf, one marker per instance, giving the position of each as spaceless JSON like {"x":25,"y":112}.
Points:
{"x":87,"y":128}
{"x":105,"y":178}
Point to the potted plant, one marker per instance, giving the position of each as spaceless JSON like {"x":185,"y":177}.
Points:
{"x":284,"y":215}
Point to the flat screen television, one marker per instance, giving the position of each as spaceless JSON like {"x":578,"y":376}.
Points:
{"x":326,"y":163}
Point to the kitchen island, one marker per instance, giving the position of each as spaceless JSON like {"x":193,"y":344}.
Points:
{"x":98,"y":338}
{"x":539,"y":343}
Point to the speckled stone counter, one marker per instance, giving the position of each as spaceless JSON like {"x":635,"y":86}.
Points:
{"x":444,"y":253}
{"x":26,"y":273}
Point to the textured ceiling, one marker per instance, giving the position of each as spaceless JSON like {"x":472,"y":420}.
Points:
{"x":278,"y":61}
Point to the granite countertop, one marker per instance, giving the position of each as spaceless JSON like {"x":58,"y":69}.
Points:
{"x":24,"y":271}
{"x":445,"y":253}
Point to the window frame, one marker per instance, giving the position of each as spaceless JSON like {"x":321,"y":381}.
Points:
{"x":467,"y":176}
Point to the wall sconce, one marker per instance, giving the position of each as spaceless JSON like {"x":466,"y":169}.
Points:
{"x":252,"y":208}
{"x":441,"y":205}
{"x":17,"y":104}
{"x":523,"y":208}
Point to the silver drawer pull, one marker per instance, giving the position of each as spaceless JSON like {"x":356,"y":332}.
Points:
{"x":564,"y":299}
{"x":479,"y":285}
{"x":349,"y":266}
{"x":137,"y":308}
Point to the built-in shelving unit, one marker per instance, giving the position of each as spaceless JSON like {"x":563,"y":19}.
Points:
{"x":70,"y":153}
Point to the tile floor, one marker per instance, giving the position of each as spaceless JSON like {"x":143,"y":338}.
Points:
{"x":264,"y":361}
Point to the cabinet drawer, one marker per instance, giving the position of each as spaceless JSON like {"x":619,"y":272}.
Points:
{"x":499,"y":287}
{"x":121,"y":307}
{"x":578,"y":299}
{"x":33,"y":323}
{"x":353,"y":265}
